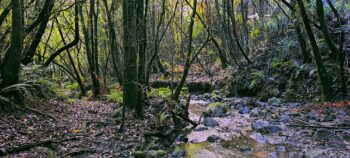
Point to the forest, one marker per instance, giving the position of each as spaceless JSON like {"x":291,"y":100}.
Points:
{"x":175,"y":78}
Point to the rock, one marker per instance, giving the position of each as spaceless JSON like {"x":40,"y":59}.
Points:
{"x":310,"y":116}
{"x":258,"y":137}
{"x":213,"y":138}
{"x":178,"y":153}
{"x":218,"y":111}
{"x":273,"y":155}
{"x":328,"y":118}
{"x":274,"y":101}
{"x":245,"y":149}
{"x":322,"y":134}
{"x":258,"y":112}
{"x":316,"y":153}
{"x":156,"y":153}
{"x":139,"y":154}
{"x":344,"y":123}
{"x":244,"y":110}
{"x":207,"y":96}
{"x":276,"y":139}
{"x":281,"y":149}
{"x":217,"y":98}
{"x":198,"y":129}
{"x":294,"y":113}
{"x":212,"y":106}
{"x":181,"y":138}
{"x":210,"y":122}
{"x":264,"y":127}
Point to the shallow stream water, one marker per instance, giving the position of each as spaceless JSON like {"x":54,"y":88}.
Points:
{"x":238,"y":139}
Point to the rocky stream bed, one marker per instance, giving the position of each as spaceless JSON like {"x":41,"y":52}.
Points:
{"x":246,"y":127}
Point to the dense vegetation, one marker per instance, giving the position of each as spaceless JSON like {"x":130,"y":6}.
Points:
{"x":142,"y":54}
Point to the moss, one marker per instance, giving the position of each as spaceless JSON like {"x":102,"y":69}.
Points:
{"x":165,"y":92}
{"x":212,"y":106}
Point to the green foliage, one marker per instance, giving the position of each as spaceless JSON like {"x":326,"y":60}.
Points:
{"x":13,"y":96}
{"x":160,"y":92}
{"x":212,"y":106}
{"x":257,"y":76}
{"x":277,"y":64}
{"x":115,"y":96}
{"x":72,"y":87}
{"x":160,"y":119}
{"x":165,"y":92}
{"x":197,"y":30}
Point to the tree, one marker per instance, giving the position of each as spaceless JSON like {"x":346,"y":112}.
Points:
{"x":327,"y":90}
{"x":11,"y":65}
{"x":130,"y":53}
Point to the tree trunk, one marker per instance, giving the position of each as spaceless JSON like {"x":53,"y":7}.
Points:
{"x":176,"y":94}
{"x":326,"y":86}
{"x":130,"y":53}
{"x":141,"y":10}
{"x":12,"y":60}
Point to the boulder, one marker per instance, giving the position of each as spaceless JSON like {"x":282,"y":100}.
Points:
{"x":258,"y":137}
{"x":274,"y":101}
{"x":218,"y":111}
{"x":322,"y":134}
{"x":244,"y":110}
{"x":213,"y":138}
{"x":265,"y":127}
{"x":178,"y":153}
{"x":139,"y":154}
{"x":316,"y":153}
{"x":156,"y":153}
{"x":210,"y":122}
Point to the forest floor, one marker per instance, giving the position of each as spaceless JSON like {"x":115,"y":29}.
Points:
{"x":83,"y":129}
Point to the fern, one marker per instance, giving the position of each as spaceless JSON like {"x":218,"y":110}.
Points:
{"x":12,"y":96}
{"x":257,"y":77}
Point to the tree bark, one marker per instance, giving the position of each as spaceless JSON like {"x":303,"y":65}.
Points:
{"x":327,"y":90}
{"x":12,"y":60}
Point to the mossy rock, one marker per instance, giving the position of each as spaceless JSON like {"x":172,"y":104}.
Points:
{"x":139,"y":154}
{"x":212,"y":106}
{"x":156,"y":153}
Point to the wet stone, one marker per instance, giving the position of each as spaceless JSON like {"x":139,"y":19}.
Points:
{"x":317,"y":153}
{"x":328,"y":118}
{"x":139,"y":154}
{"x":264,"y":127}
{"x":156,"y":153}
{"x":198,"y":129}
{"x":245,"y":149}
{"x":219,"y":111}
{"x":273,"y":155}
{"x":210,"y":122}
{"x":322,"y":134}
{"x":281,"y":149}
{"x":178,"y":153}
{"x":274,"y":101}
{"x":258,"y":137}
{"x":213,"y":138}
{"x":244,"y":110}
